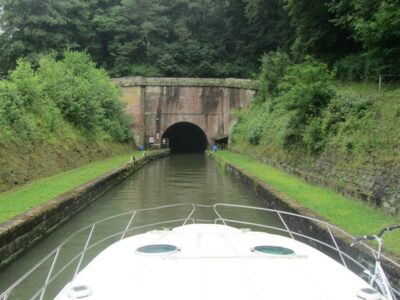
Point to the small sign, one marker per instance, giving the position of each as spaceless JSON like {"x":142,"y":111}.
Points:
{"x":151,"y":140}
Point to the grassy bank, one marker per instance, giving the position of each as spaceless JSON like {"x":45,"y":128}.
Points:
{"x":19,"y":200}
{"x":353,"y":216}
{"x":21,"y":163}
{"x":58,"y":115}
{"x":346,"y":133}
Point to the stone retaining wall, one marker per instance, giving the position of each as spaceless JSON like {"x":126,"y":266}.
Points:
{"x":21,"y":232}
{"x":273,"y":199}
{"x":376,"y":185}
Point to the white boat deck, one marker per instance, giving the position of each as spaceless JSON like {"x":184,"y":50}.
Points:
{"x":214,"y":262}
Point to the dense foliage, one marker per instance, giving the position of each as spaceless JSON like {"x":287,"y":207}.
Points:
{"x":344,"y":133}
{"x":219,"y":38}
{"x":150,"y":38}
{"x":296,"y":96}
{"x":57,"y":95}
{"x":301,"y":111}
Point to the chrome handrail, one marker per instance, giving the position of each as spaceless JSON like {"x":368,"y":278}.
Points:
{"x":340,"y":252}
{"x":348,"y":235}
{"x":217,"y":208}
{"x":5,"y":294}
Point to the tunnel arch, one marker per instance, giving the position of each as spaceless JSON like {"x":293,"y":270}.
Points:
{"x":186,"y":137}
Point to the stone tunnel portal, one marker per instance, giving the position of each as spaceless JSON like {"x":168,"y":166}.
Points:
{"x":186,"y":137}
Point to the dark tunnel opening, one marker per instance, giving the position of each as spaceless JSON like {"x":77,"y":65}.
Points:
{"x":186,"y":137}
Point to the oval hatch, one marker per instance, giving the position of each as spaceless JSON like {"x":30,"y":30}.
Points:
{"x":79,"y":292}
{"x":272,"y":250}
{"x":157,"y":249}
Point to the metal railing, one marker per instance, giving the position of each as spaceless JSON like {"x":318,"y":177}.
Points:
{"x":295,"y":233}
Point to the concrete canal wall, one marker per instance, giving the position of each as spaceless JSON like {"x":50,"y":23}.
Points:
{"x":273,"y":199}
{"x":21,"y":232}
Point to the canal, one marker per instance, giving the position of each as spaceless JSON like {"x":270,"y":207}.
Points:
{"x":183,"y":178}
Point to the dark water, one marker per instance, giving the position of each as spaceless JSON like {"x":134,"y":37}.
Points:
{"x":184,"y":178}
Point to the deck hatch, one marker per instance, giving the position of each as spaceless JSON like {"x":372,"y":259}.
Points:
{"x":79,"y":291}
{"x":156,"y":249}
{"x":272,"y":250}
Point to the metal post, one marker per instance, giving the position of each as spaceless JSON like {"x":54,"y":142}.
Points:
{"x":284,"y":224}
{"x":380,"y":82}
{"x":84,"y":250}
{"x":337,"y":247}
{"x":190,"y":214}
{"x":128,"y":225}
{"x":218,"y":215}
{"x":49,"y":275}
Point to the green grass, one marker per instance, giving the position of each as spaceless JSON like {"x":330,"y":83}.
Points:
{"x":352,"y":215}
{"x":369,"y":88}
{"x":17,"y":201}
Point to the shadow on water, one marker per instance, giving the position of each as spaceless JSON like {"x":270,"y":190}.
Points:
{"x":183,"y":178}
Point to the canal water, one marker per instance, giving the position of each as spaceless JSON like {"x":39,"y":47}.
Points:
{"x":183,"y":178}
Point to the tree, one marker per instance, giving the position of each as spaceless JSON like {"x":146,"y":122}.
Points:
{"x":270,"y":25}
{"x":376,"y":25}
{"x":101,"y":30}
{"x":316,"y":34}
{"x":140,"y":27}
{"x":39,"y":26}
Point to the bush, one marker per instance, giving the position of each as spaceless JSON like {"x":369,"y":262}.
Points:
{"x":356,"y":67}
{"x":304,"y":92}
{"x":13,"y":114}
{"x":254,"y":131}
{"x":239,"y":68}
{"x":343,"y":107}
{"x":145,"y":71}
{"x":33,"y":102}
{"x":273,"y":68}
{"x":292,"y":117}
{"x":350,"y":121}
{"x":167,"y":65}
{"x":314,"y":136}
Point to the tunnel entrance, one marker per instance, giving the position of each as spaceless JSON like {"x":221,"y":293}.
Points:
{"x":186,"y":137}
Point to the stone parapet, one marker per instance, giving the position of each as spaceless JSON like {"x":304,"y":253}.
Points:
{"x":188,"y":82}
